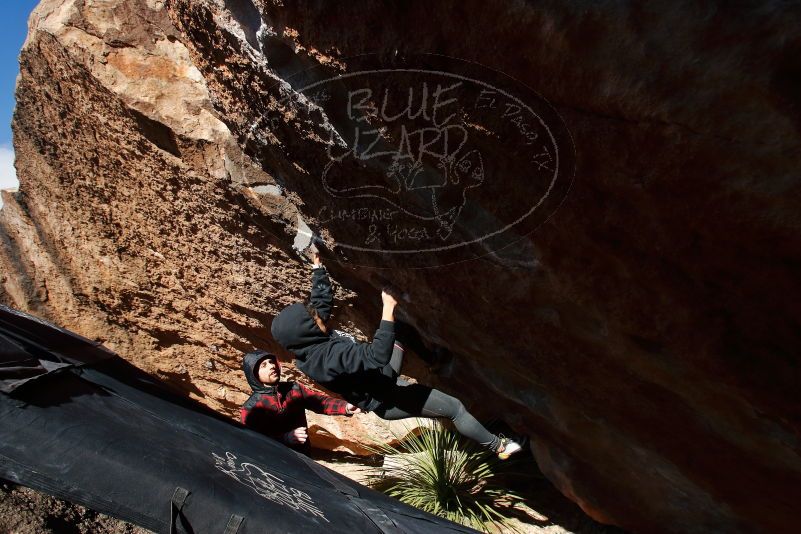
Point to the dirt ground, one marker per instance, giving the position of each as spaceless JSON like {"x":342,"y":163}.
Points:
{"x":25,"y":511}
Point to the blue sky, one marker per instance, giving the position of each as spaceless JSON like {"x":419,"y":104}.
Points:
{"x":13,"y":29}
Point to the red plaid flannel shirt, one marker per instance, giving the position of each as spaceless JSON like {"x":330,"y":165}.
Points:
{"x":282,"y":408}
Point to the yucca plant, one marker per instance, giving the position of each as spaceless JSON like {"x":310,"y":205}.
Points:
{"x":442,"y":473}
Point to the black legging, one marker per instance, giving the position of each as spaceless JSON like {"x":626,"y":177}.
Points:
{"x":414,"y":400}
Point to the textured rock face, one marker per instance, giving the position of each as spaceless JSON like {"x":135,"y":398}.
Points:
{"x":646,"y":335}
{"x":132,"y":226}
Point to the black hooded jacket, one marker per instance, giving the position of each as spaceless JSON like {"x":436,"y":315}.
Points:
{"x":337,"y":363}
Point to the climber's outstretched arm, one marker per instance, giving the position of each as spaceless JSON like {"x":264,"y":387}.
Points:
{"x":377,"y":354}
{"x":322,"y":293}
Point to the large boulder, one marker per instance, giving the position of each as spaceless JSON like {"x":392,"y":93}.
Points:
{"x":644,"y":334}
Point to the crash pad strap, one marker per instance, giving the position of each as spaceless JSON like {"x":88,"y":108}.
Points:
{"x":233,"y":524}
{"x":176,"y":503}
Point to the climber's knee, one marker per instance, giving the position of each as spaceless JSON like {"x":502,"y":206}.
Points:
{"x":452,"y":408}
{"x":458,"y":409}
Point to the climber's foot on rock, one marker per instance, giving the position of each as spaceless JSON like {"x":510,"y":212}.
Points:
{"x":508,"y":447}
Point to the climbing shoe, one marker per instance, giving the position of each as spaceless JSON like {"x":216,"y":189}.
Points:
{"x":508,"y":447}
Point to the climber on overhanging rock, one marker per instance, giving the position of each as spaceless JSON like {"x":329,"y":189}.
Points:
{"x":368,"y":374}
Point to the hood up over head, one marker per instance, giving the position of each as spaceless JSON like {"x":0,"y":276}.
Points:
{"x":250,"y":366}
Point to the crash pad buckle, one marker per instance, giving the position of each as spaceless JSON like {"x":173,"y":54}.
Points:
{"x":179,"y":497}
